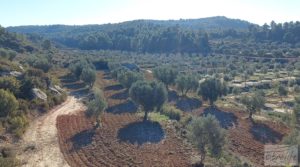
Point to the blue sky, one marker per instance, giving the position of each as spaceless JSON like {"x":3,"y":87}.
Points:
{"x":78,"y":12}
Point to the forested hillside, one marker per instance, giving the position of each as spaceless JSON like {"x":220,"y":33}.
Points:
{"x":14,"y":41}
{"x":140,"y":35}
{"x":206,"y":36}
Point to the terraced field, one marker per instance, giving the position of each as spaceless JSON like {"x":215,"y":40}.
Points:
{"x":124,"y":140}
{"x":82,"y":146}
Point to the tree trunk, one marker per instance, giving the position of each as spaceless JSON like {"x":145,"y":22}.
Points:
{"x":211,"y":103}
{"x":186,"y":91}
{"x":98,"y":123}
{"x":250,"y":115}
{"x":146,"y":116}
{"x":202,"y":159}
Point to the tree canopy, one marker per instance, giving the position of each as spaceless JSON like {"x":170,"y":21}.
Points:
{"x":211,"y":89}
{"x":253,"y":103}
{"x":150,"y":96}
{"x":167,"y":75}
{"x":207,"y":135}
{"x":186,"y":83}
{"x":96,"y":106}
{"x":127,"y":78}
{"x":88,"y":75}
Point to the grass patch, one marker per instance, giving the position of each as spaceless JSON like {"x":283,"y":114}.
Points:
{"x":155,"y":116}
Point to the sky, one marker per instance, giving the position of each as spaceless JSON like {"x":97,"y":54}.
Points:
{"x":79,"y":12}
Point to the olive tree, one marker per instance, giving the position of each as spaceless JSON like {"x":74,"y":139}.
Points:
{"x":296,"y":112}
{"x":77,"y":67}
{"x":211,"y":89}
{"x":167,"y":75}
{"x":96,"y":106}
{"x":127,"y":78}
{"x":207,"y":135}
{"x":150,"y":96}
{"x":88,"y":76}
{"x":186,"y":83}
{"x":253,"y":103}
{"x":282,"y":92}
{"x":8,"y":103}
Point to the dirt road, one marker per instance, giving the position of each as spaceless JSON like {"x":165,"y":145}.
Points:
{"x":42,"y":134}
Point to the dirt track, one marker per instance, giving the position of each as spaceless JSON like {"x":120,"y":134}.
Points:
{"x":42,"y":134}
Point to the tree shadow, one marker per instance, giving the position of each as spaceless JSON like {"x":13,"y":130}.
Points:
{"x":265,"y":134}
{"x":226,"y":119}
{"x":82,"y":139}
{"x":107,"y":76}
{"x":80,"y":92}
{"x":67,"y":79}
{"x":75,"y":85}
{"x":120,"y":95}
{"x":172,"y":96}
{"x":126,"y":107}
{"x":113,"y":87}
{"x":188,"y":104}
{"x":141,"y":132}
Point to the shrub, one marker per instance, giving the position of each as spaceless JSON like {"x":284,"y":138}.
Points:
{"x":236,"y":90}
{"x":7,"y":157}
{"x":8,"y":103}
{"x":172,"y":112}
{"x":40,"y":62}
{"x":11,"y":84}
{"x":185,"y":120}
{"x":18,"y":125}
{"x":8,"y":162}
{"x":297,"y":88}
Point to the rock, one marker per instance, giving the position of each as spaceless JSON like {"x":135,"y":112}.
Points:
{"x":11,"y":73}
{"x":21,"y":67}
{"x":54,"y":90}
{"x":15,"y":73}
{"x":58,"y":88}
{"x":37,"y":93}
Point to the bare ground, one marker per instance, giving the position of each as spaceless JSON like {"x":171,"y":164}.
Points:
{"x":39,"y":146}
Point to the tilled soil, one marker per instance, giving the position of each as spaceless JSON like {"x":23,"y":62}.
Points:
{"x":106,"y":148}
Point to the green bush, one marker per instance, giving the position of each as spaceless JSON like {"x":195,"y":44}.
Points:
{"x":171,"y":112}
{"x":185,"y":120}
{"x":236,"y":90}
{"x":8,"y":157}
{"x":11,"y":84}
{"x":18,"y":125}
{"x":8,"y":103}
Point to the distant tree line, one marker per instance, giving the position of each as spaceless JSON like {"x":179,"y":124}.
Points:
{"x":147,"y":38}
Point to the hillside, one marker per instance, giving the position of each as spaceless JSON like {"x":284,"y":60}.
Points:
{"x":139,"y":35}
{"x":207,"y":24}
{"x":13,"y":41}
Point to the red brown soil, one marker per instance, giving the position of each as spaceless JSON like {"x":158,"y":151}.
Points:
{"x":243,"y":142}
{"x":106,"y":149}
{"x":82,"y":146}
